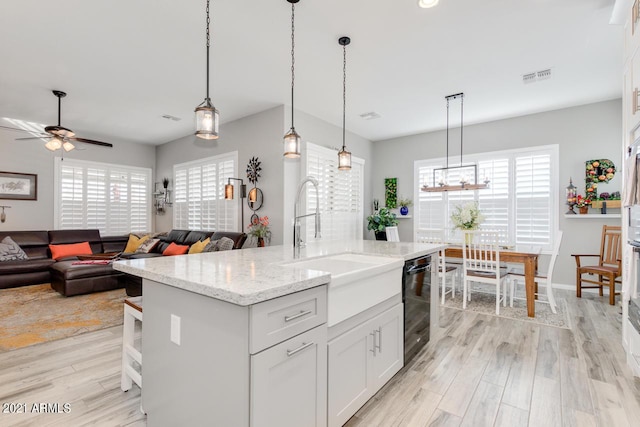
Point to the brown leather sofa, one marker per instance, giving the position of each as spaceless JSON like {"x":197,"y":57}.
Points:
{"x":33,"y":270}
{"x":133,"y":284}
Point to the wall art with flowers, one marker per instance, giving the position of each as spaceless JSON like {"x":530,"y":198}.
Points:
{"x":598,"y":172}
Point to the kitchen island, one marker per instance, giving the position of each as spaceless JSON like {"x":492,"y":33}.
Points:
{"x":240,"y":337}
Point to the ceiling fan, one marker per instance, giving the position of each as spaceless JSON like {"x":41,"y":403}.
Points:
{"x":61,"y":137}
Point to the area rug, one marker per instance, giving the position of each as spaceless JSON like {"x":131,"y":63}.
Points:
{"x":35,"y":314}
{"x":485,"y":303}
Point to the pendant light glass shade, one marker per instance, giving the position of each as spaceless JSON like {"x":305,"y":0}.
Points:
{"x":344,"y":160}
{"x":292,"y":144}
{"x":292,"y":138}
{"x":207,"y":116}
{"x":207,"y":119}
{"x":54,"y":144}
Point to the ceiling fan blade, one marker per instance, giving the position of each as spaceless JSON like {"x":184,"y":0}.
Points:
{"x":10,"y":128}
{"x":91,"y":141}
{"x":33,"y":137}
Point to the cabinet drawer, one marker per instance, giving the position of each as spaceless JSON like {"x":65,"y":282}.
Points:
{"x":274,"y":321}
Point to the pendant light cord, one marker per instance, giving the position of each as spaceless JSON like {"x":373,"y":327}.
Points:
{"x":461,"y":124}
{"x":208,"y":44}
{"x":344,"y":94}
{"x":293,"y":58}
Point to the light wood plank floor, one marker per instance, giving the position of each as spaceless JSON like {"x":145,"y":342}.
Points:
{"x":478,"y":371}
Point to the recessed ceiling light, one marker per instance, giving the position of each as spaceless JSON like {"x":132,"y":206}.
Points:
{"x":425,"y":4}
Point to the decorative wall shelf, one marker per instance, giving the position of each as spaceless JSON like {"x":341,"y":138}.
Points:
{"x":403,"y":216}
{"x":593,"y":216}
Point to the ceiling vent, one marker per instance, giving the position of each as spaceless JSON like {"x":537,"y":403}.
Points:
{"x":370,"y":115}
{"x":536,"y":76}
{"x":170,"y":117}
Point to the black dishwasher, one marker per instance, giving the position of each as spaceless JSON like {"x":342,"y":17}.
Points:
{"x":416,"y":296}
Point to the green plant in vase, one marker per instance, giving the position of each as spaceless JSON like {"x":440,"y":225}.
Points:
{"x":379,"y":221}
{"x":404,"y":205}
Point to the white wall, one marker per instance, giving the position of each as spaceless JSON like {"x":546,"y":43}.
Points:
{"x":31,"y":157}
{"x":586,"y":132}
{"x":259,"y":135}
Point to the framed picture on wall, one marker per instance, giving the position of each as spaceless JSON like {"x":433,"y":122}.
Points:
{"x":18,"y":186}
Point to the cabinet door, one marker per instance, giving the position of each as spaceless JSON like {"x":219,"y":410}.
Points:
{"x":289,"y":382}
{"x":388,"y":340}
{"x":350,"y":379}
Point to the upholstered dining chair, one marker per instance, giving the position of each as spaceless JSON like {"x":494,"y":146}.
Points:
{"x":608,"y":270}
{"x":516,"y":275}
{"x":481,"y":263}
{"x":436,"y":236}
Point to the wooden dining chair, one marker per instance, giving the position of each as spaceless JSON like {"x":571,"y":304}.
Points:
{"x":436,"y":236}
{"x":609,"y":267}
{"x":517,"y":274}
{"x":481,"y":263}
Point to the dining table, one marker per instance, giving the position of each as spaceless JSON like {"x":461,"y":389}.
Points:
{"x":528,"y":259}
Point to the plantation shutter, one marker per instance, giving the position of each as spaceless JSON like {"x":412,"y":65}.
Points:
{"x":430,"y":206}
{"x":199,"y":202}
{"x":533,"y":200}
{"x":494,"y":202}
{"x":111,"y":198}
{"x":340,"y":195}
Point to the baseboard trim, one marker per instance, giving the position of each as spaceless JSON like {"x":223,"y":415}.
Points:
{"x":566,"y":287}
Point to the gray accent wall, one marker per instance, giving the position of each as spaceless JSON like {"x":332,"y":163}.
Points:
{"x":31,"y":157}
{"x":259,"y":135}
{"x":585,"y":132}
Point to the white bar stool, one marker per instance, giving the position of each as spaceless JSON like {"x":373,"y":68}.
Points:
{"x":132,"y":311}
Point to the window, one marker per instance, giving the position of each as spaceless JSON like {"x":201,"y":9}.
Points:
{"x":112,"y":198}
{"x":520,"y":200}
{"x":341,"y":194}
{"x":199,"y":202}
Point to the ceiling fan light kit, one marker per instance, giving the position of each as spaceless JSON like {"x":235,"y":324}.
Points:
{"x":207,"y":116}
{"x":292,"y":138}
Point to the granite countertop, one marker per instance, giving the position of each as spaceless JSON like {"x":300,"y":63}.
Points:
{"x":249,"y":276}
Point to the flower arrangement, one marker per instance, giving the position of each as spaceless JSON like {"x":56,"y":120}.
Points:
{"x":259,"y":229}
{"x":467,"y":216}
{"x":582,"y":202}
{"x":405,"y":202}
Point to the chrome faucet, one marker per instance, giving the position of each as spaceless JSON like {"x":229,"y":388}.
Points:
{"x":297,"y":240}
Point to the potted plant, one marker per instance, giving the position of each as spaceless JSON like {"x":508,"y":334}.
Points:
{"x":583,"y":204}
{"x":404,"y":205}
{"x":379,"y":221}
{"x":467,"y":216}
{"x":259,"y":229}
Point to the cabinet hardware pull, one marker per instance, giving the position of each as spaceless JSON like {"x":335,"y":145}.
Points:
{"x":373,"y":349}
{"x":379,"y":331}
{"x":295,"y":316}
{"x":302,"y":347}
{"x":635,"y":107}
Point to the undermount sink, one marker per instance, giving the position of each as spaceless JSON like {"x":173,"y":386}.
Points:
{"x":358,"y":282}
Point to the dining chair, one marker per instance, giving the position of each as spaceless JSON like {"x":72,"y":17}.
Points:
{"x":481,"y":264}
{"x":517,"y":274}
{"x":436,"y":236}
{"x":392,"y":234}
{"x":609,"y":267}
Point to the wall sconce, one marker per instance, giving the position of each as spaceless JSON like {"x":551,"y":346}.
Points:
{"x":3,"y":215}
{"x":228,"y":195}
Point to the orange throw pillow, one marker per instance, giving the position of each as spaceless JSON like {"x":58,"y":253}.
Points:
{"x":174,"y":249}
{"x":63,"y":251}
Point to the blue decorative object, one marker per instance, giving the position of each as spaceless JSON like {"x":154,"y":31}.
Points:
{"x":404,"y":210}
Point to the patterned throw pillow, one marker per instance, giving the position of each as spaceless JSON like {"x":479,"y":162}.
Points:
{"x":211,"y":246}
{"x":11,"y":251}
{"x":147,"y":246}
{"x":224,"y":244}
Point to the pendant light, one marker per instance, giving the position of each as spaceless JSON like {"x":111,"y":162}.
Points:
{"x":207,"y":116}
{"x":442,"y":184}
{"x":291,"y":138}
{"x":344,"y":156}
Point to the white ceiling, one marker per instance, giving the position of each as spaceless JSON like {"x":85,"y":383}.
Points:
{"x":125,"y":63}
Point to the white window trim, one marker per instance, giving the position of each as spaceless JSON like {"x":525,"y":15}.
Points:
{"x":553,"y":149}
{"x":233,"y":155}
{"x":58,"y":163}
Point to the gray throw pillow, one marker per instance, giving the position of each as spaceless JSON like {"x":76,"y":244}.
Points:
{"x":147,"y":246}
{"x":224,"y":244}
{"x":211,"y":246}
{"x":11,"y":251}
